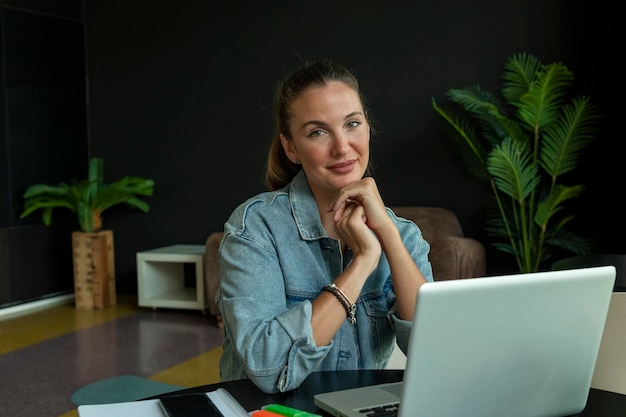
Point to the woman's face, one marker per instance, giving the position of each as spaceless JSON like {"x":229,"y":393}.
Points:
{"x":330,"y":137}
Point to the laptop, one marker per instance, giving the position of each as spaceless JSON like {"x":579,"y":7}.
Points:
{"x":522,"y":345}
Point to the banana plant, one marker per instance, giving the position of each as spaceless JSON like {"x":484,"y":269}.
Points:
{"x":87,"y":198}
{"x":523,"y":145}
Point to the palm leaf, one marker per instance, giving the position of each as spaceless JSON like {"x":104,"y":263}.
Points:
{"x":471,"y":147}
{"x":519,"y":73}
{"x":540,"y":106}
{"x":551,"y":205}
{"x":112,"y":196}
{"x":564,"y":141}
{"x":572,"y":243}
{"x":512,"y":170}
{"x":85,"y":217}
{"x":485,"y":108}
{"x":95,"y":178}
{"x":504,"y":247}
{"x":46,"y":197}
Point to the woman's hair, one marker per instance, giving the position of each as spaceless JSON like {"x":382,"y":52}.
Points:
{"x":280,"y":170}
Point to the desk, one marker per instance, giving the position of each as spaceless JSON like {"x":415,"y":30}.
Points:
{"x":600,"y":403}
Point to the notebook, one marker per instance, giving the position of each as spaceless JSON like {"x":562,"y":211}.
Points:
{"x":522,"y":345}
{"x":217,"y":403}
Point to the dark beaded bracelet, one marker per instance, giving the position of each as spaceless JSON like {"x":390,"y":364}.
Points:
{"x":347,"y":304}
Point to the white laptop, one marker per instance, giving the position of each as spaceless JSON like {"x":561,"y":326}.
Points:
{"x":522,"y":345}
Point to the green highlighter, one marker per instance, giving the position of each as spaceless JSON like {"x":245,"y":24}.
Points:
{"x":288,"y":411}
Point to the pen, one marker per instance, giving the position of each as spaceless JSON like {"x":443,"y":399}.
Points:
{"x":288,"y":411}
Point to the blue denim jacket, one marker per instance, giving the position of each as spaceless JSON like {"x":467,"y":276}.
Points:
{"x":275,"y":258}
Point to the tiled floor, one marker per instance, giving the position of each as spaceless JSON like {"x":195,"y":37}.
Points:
{"x":47,"y":355}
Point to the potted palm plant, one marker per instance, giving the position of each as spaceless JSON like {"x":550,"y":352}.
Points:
{"x":93,"y":253}
{"x":522,"y":148}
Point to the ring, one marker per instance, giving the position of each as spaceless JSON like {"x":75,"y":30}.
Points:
{"x":348,"y":211}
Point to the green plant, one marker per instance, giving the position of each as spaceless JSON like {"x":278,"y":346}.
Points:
{"x":88,"y":198}
{"x":525,"y":157}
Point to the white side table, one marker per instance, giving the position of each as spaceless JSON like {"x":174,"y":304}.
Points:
{"x":161,"y":277}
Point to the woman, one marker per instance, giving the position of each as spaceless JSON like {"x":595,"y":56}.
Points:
{"x":317,"y":274}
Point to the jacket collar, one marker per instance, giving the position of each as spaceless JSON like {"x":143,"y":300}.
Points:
{"x":304,"y":208}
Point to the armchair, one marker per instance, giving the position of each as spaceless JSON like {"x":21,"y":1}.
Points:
{"x":452,"y":254}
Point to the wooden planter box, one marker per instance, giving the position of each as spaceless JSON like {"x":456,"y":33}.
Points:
{"x":94,"y":270}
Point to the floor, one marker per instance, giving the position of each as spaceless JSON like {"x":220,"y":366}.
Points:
{"x":47,"y":355}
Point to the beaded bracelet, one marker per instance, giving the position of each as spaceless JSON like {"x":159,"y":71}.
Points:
{"x":344,"y":300}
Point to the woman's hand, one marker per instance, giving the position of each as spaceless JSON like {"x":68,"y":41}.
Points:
{"x":354,"y":232}
{"x":360,"y":202}
{"x":363,"y":193}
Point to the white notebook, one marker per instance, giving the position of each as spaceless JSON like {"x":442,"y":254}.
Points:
{"x":146,"y":408}
{"x":522,"y":345}
{"x":227,"y":405}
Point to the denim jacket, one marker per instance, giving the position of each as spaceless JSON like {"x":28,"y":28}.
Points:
{"x":275,"y":258}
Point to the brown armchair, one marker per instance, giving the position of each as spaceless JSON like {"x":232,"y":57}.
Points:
{"x":452,"y":255}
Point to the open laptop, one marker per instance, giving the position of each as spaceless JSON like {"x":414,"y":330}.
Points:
{"x":522,"y":345}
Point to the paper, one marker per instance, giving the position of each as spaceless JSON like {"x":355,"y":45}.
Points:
{"x":145,"y":408}
{"x":227,"y":404}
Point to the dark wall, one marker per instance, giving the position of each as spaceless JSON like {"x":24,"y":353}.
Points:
{"x":181,"y":93}
{"x":43,"y":139}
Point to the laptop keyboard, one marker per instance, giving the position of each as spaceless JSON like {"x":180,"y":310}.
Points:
{"x":389,"y":410}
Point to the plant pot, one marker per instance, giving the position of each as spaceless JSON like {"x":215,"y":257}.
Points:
{"x":94,"y":270}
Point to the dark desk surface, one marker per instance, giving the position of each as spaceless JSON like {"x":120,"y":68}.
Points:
{"x":600,"y":403}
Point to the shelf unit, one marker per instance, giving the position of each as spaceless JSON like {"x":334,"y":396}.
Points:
{"x":161,"y":277}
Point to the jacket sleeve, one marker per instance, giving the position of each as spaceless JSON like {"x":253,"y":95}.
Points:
{"x":272,"y":341}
